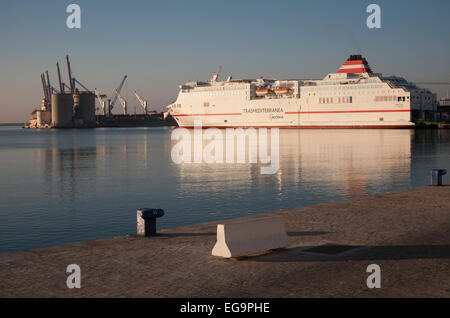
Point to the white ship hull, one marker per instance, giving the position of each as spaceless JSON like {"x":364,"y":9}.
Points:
{"x":284,"y":114}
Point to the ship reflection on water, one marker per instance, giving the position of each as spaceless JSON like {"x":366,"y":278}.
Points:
{"x":66,"y":186}
{"x":346,"y":162}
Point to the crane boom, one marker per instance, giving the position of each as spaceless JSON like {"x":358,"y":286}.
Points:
{"x":61,"y":88}
{"x":142,"y":101}
{"x":116,"y":91}
{"x":69,"y":71}
{"x":79,"y":83}
{"x":122,"y":101}
{"x":44,"y":86}
{"x":49,"y":87}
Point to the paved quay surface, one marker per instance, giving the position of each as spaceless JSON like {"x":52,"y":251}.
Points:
{"x":407,"y":233}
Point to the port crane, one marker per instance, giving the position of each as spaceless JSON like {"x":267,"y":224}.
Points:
{"x":122,"y":101}
{"x":142,"y":101}
{"x":69,"y":72}
{"x":49,"y":88}
{"x":44,"y":87}
{"x":116,"y":93}
{"x":61,"y":86}
{"x":101,"y":101}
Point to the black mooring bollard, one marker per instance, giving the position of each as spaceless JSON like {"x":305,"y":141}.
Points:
{"x":436,"y":176}
{"x":146,"y":221}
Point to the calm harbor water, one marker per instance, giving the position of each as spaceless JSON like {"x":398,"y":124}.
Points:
{"x":66,"y":186}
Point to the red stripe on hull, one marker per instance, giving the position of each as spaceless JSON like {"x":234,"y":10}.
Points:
{"x":186,"y":115}
{"x":313,"y":127}
{"x":352,"y":111}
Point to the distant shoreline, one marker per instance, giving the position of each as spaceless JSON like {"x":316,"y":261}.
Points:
{"x":11,"y":124}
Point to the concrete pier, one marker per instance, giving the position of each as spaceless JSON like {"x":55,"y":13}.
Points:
{"x":406,"y":233}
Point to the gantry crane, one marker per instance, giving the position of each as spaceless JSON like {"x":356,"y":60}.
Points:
{"x":142,"y":101}
{"x":122,"y":101}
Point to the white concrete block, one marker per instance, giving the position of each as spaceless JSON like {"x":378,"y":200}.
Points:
{"x":250,"y":237}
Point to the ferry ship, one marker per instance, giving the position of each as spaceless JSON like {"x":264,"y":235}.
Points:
{"x":352,"y":97}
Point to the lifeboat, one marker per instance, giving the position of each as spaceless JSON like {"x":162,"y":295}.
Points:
{"x":263,"y":92}
{"x":283,"y":91}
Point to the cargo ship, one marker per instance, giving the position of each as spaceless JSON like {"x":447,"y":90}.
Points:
{"x":352,"y":97}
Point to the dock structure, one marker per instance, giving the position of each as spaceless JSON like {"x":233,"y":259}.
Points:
{"x":75,"y":108}
{"x":406,"y":233}
{"x":61,"y":109}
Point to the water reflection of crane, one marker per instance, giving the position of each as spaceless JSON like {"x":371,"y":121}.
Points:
{"x":63,"y":168}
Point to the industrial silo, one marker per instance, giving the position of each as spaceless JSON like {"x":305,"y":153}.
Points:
{"x":87,"y":108}
{"x":62,"y":110}
{"x":43,"y":118}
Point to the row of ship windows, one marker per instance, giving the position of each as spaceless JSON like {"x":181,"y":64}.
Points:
{"x":390,"y":98}
{"x":225,"y":93}
{"x":314,"y":89}
{"x":331,"y":100}
{"x":338,"y":83}
{"x":349,"y":99}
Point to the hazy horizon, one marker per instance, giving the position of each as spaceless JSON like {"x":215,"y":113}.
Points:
{"x":161,"y":45}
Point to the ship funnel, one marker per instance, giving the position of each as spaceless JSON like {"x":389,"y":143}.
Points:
{"x":355,"y":64}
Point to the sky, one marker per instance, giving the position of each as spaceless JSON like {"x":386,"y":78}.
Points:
{"x":162,"y":44}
